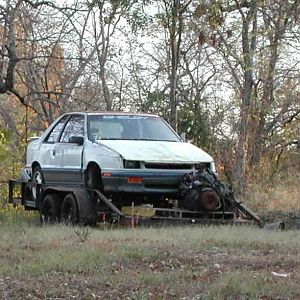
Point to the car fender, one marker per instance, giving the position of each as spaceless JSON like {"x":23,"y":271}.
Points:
{"x":32,"y":152}
{"x":105,"y":157}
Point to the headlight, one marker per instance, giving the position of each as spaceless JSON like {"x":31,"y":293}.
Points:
{"x":132,"y":164}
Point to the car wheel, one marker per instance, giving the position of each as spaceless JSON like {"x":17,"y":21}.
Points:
{"x":49,"y":213}
{"x":69,"y":210}
{"x":93,"y":178}
{"x":37,"y":178}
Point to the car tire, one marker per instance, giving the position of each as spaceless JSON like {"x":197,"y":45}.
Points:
{"x":93,"y":178}
{"x":69,"y":210}
{"x":37,"y":178}
{"x":50,"y":210}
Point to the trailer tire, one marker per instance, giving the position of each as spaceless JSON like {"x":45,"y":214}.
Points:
{"x":49,"y":213}
{"x":37,"y":178}
{"x":69,"y":210}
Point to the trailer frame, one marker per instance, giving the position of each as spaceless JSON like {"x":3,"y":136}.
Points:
{"x":89,"y":199}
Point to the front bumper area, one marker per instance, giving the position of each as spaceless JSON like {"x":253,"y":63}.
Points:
{"x":152,"y":182}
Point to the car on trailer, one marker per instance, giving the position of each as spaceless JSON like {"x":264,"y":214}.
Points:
{"x":102,"y":165}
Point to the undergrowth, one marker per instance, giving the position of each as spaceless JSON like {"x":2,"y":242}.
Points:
{"x":16,"y":214}
{"x":280,"y":193}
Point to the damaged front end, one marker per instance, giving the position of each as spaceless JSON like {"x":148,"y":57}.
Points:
{"x":202,"y":191}
{"x":203,"y":199}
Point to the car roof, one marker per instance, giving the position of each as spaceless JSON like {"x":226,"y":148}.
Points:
{"x":115,"y":113}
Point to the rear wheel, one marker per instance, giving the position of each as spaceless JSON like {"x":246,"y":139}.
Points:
{"x":49,"y":213}
{"x":37,"y":178}
{"x":69,"y":210}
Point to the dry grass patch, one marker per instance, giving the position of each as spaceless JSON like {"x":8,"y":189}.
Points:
{"x":165,"y":263}
{"x":279,"y":193}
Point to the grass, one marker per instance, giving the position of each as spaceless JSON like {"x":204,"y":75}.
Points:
{"x":58,"y":262}
{"x":165,"y":263}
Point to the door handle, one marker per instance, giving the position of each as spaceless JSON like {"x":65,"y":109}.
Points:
{"x":52,"y":152}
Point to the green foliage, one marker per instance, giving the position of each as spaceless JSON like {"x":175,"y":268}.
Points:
{"x":133,"y":11}
{"x":212,"y":12}
{"x":215,"y":15}
{"x":7,"y":156}
{"x":11,"y":161}
{"x":5,"y":137}
{"x":162,"y":20}
{"x":195,"y":123}
{"x":137,"y":17}
{"x":156,"y":102}
{"x":10,"y":214}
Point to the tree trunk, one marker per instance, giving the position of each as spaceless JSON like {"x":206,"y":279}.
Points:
{"x":175,"y":27}
{"x":106,"y":93}
{"x":173,"y":87}
{"x":249,"y":45}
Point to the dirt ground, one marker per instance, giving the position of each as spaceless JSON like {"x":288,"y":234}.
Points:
{"x":222,"y":262}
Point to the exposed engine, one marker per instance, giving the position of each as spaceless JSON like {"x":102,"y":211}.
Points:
{"x":201,"y":190}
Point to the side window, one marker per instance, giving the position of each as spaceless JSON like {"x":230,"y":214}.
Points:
{"x":54,"y":134}
{"x":75,"y":127}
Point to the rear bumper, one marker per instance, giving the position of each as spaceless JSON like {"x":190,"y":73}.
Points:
{"x":153,"y":182}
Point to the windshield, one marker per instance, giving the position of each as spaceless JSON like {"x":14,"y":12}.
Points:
{"x":129,"y":127}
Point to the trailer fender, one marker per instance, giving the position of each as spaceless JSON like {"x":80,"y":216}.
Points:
{"x":86,"y":207}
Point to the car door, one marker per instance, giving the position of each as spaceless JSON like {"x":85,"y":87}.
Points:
{"x":70,"y":153}
{"x":49,"y":161}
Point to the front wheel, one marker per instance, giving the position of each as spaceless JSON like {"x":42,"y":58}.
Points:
{"x":69,"y":210}
{"x":49,"y":213}
{"x":93,"y":178}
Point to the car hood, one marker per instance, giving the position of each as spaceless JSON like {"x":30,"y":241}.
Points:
{"x":157,"y":151}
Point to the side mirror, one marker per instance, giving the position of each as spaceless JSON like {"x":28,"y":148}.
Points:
{"x":183,"y":136}
{"x":76,"y":140}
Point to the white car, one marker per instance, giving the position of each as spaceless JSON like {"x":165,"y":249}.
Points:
{"x":122,"y":154}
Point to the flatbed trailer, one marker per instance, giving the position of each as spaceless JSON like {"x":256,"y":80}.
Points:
{"x":79,"y":205}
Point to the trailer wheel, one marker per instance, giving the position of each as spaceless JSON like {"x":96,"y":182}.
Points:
{"x":69,"y":210}
{"x":38,"y":178}
{"x":49,"y":213}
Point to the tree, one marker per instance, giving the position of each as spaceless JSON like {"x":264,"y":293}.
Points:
{"x":251,"y":47}
{"x":172,"y":19}
{"x":9,"y":57}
